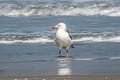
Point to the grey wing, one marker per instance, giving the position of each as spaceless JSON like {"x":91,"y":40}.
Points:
{"x":72,"y":46}
{"x":70,"y":36}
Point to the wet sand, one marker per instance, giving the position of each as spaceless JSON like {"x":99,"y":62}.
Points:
{"x":117,"y":77}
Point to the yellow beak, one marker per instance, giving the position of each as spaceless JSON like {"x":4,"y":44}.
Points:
{"x":53,"y":27}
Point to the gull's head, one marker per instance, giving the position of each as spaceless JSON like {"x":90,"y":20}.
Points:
{"x":60,"y":26}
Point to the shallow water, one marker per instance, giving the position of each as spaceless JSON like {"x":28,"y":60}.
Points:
{"x":41,"y":59}
{"x":27,"y":46}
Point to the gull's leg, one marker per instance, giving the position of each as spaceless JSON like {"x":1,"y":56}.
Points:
{"x":59,"y":51}
{"x":67,"y":53}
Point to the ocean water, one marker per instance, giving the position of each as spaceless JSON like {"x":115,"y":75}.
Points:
{"x":27,"y":46}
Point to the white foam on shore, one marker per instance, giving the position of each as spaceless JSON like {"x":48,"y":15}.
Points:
{"x":47,"y":40}
{"x":115,"y":58}
{"x":65,"y":60}
{"x":98,"y":39}
{"x":83,"y":59}
{"x":12,"y":38}
{"x":37,"y":40}
{"x":90,"y":59}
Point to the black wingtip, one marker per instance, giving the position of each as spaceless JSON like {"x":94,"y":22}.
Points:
{"x":72,"y":46}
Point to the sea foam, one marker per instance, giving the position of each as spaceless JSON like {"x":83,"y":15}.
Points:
{"x":37,"y":40}
{"x":7,"y":38}
{"x":102,"y":9}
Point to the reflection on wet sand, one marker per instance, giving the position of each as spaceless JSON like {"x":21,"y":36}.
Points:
{"x":64,"y":67}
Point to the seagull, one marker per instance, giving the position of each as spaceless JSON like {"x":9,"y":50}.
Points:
{"x":63,"y":38}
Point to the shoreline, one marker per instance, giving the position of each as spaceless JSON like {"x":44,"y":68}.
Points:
{"x":65,"y":77}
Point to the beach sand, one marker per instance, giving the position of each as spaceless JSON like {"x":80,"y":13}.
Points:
{"x":64,"y":78}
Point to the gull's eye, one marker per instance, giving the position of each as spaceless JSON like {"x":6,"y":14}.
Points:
{"x":58,"y":25}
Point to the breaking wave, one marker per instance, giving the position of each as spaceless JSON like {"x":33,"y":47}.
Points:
{"x":69,"y":9}
{"x":42,"y":39}
{"x":6,"y":38}
{"x":97,"y":37}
